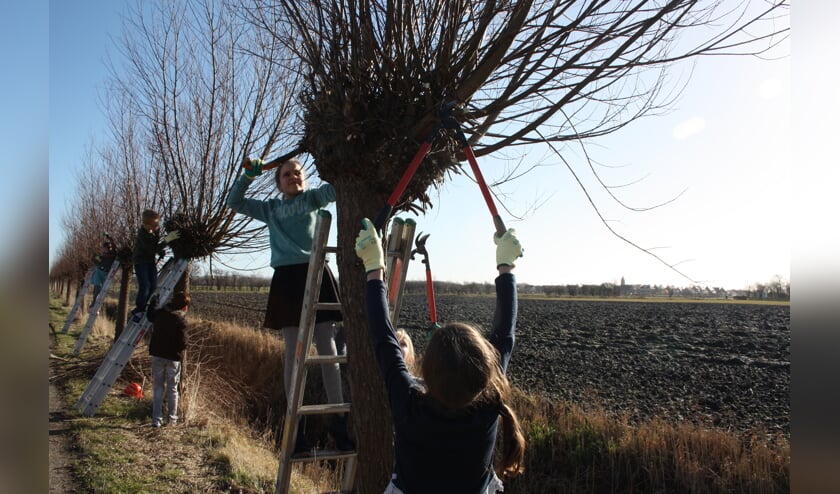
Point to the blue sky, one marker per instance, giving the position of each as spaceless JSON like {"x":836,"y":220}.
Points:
{"x":726,"y":142}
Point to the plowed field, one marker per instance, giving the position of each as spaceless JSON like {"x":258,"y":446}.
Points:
{"x":723,"y":365}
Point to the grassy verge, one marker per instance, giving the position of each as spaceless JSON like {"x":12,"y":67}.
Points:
{"x":117,"y":450}
{"x":233,"y":394}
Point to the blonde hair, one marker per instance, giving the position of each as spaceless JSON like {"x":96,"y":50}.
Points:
{"x":407,"y":347}
{"x":461,"y":368}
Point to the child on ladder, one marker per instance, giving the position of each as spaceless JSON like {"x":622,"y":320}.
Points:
{"x":104,"y":261}
{"x":291,"y":225}
{"x":147,"y":245}
{"x":445,"y":423}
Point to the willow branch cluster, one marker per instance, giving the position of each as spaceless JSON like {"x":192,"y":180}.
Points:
{"x":376,"y":72}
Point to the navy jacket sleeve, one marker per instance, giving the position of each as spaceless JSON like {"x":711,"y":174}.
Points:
{"x":504,"y":320}
{"x":385,"y":346}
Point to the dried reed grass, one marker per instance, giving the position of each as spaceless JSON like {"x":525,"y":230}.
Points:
{"x":585,"y":449}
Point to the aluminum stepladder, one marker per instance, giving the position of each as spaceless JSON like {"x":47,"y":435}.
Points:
{"x":122,"y":349}
{"x":80,"y":297}
{"x":397,"y":257}
{"x":94,"y":309}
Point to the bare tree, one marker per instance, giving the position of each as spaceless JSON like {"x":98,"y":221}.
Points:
{"x":123,"y":157}
{"x":520,"y":72}
{"x":206,"y":91}
{"x":192,"y":91}
{"x":86,"y":221}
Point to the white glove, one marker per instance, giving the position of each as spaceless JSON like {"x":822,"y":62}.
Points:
{"x":507,"y":248}
{"x":369,"y":247}
{"x":172,"y":236}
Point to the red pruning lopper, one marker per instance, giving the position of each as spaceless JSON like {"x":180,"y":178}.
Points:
{"x":420,"y":243}
{"x":447,"y":121}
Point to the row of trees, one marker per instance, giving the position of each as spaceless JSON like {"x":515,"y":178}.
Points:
{"x":777,"y":289}
{"x":354,"y":87}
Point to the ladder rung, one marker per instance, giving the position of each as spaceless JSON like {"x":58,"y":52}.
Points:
{"x":327,"y":306}
{"x":324,"y":409}
{"x":331,"y":249}
{"x":324,"y":454}
{"x":326,"y":359}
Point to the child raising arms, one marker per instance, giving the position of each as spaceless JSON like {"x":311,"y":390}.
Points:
{"x":291,"y":227}
{"x":445,"y":424}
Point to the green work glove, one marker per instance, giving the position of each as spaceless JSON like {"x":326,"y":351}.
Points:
{"x":174,"y":235}
{"x":255,"y":168}
{"x":507,"y":248}
{"x":369,"y":247}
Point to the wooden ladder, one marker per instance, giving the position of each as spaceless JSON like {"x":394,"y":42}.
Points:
{"x":398,"y":254}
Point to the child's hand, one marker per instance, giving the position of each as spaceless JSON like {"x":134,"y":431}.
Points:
{"x":253,"y":167}
{"x":173,"y":235}
{"x":369,"y":247}
{"x":508,"y":248}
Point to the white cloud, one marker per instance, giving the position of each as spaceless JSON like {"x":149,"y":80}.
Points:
{"x":693,"y":125}
{"x":770,"y":88}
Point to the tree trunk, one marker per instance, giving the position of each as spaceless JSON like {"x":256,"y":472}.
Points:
{"x":372,"y":416}
{"x":69,"y":286}
{"x":183,"y":284}
{"x":122,"y":301}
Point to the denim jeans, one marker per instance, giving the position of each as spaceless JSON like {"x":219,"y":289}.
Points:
{"x":146,"y":284}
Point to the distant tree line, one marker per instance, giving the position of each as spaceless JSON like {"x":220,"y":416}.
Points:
{"x":229,"y":281}
{"x":776,"y":289}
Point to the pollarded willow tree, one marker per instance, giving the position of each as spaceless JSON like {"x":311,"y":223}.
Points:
{"x":204,"y":90}
{"x":521,"y":72}
{"x":196,"y":92}
{"x":87,"y":220}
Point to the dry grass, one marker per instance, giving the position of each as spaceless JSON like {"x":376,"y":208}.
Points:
{"x":236,"y":374}
{"x":102,"y":327}
{"x":231,"y":387}
{"x":574,"y":448}
{"x":233,"y":390}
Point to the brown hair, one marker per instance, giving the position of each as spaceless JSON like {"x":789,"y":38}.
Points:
{"x":180,"y":300}
{"x":461,"y":368}
{"x":150,"y":214}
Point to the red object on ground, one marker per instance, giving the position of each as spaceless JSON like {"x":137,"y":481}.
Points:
{"x":134,"y":390}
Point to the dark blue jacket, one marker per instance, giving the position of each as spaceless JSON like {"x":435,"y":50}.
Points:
{"x":146,"y":246}
{"x":438,"y":452}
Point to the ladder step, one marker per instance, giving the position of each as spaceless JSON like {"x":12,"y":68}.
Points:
{"x":326,"y":359}
{"x":323,"y":454}
{"x":331,"y":249}
{"x":324,"y":409}
{"x":327,"y":306}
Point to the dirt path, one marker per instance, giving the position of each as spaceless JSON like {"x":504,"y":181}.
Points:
{"x":61,"y":454}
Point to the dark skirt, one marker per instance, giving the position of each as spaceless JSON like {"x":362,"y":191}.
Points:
{"x":285,"y":298}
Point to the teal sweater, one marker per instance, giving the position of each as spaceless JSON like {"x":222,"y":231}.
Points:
{"x":291,"y":222}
